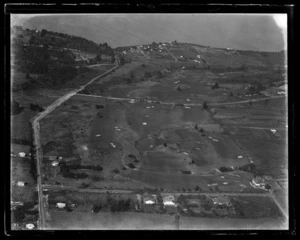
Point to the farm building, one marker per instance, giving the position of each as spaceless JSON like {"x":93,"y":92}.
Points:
{"x":258,"y":182}
{"x":55,"y":163}
{"x":60,"y":205}
{"x":20,"y":184}
{"x":30,"y":226}
{"x":149,"y":199}
{"x":169,"y":200}
{"x":22,"y":154}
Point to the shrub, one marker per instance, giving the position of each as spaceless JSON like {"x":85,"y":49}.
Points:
{"x":205,"y":106}
{"x":116,"y":171}
{"x":186,"y":172}
{"x":225,"y":169}
{"x":131,"y":165}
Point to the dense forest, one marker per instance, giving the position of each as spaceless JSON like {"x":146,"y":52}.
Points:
{"x":52,"y":57}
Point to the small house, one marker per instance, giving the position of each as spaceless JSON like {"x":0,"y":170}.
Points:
{"x":55,"y":163}
{"x":169,"y":200}
{"x":149,"y":199}
{"x":258,"y":182}
{"x":22,"y":154}
{"x":21,"y":184}
{"x":60,"y":205}
{"x":29,"y":226}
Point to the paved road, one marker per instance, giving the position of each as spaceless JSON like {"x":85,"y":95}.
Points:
{"x":39,"y":153}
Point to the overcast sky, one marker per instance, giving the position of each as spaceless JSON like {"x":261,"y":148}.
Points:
{"x":263,"y":32}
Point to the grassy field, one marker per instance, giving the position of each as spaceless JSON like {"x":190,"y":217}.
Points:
{"x":147,"y":221}
{"x":111,"y":221}
{"x":190,"y":223}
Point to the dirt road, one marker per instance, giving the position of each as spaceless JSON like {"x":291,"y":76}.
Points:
{"x":39,"y":153}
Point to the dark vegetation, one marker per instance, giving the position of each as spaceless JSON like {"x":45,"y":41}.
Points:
{"x":131,"y":165}
{"x":246,"y":168}
{"x":113,"y":205}
{"x":65,"y":170}
{"x":20,"y":141}
{"x":16,"y":108}
{"x":20,"y":212}
{"x":36,"y":107}
{"x":51,"y":56}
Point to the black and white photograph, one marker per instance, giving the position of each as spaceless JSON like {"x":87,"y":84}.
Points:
{"x":149,"y":121}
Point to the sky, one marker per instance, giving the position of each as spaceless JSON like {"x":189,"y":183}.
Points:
{"x":246,"y":31}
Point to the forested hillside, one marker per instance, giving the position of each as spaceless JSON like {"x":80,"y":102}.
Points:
{"x":50,"y":59}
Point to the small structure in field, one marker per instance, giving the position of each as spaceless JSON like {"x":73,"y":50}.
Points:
{"x":55,"y":163}
{"x":60,"y":205}
{"x":149,"y":200}
{"x":258,"y":182}
{"x":21,"y":184}
{"x":22,"y":154}
{"x":144,"y":123}
{"x":29,"y":226}
{"x":239,"y":156}
{"x":113,"y":145}
{"x":169,"y":200}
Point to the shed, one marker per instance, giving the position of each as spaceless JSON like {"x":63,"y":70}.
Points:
{"x":22,"y":154}
{"x":60,"y":205}
{"x":55,"y":163}
{"x":21,"y":183}
{"x":169,"y":200}
{"x":30,"y":226}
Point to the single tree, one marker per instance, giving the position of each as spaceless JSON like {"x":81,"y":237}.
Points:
{"x":205,"y":106}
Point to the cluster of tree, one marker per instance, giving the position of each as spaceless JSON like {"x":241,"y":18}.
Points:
{"x":20,"y":212}
{"x":36,"y":107}
{"x":64,"y":166}
{"x":131,"y":165}
{"x":20,"y":141}
{"x":255,"y":88}
{"x":186,"y":172}
{"x":205,"y":106}
{"x":33,"y":161}
{"x":16,"y":108}
{"x":246,"y":168}
{"x":113,"y":205}
{"x":62,"y":40}
{"x":215,"y":86}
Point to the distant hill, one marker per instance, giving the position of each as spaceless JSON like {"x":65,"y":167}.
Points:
{"x":257,"y":33}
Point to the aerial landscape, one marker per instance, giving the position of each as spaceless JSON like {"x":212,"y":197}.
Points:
{"x":149,"y":122}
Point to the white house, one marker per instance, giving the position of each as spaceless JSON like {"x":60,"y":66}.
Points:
{"x":60,"y":205}
{"x":30,"y":226}
{"x":21,"y":183}
{"x":54,"y":163}
{"x":22,"y":154}
{"x":169,"y":200}
{"x":149,"y":200}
